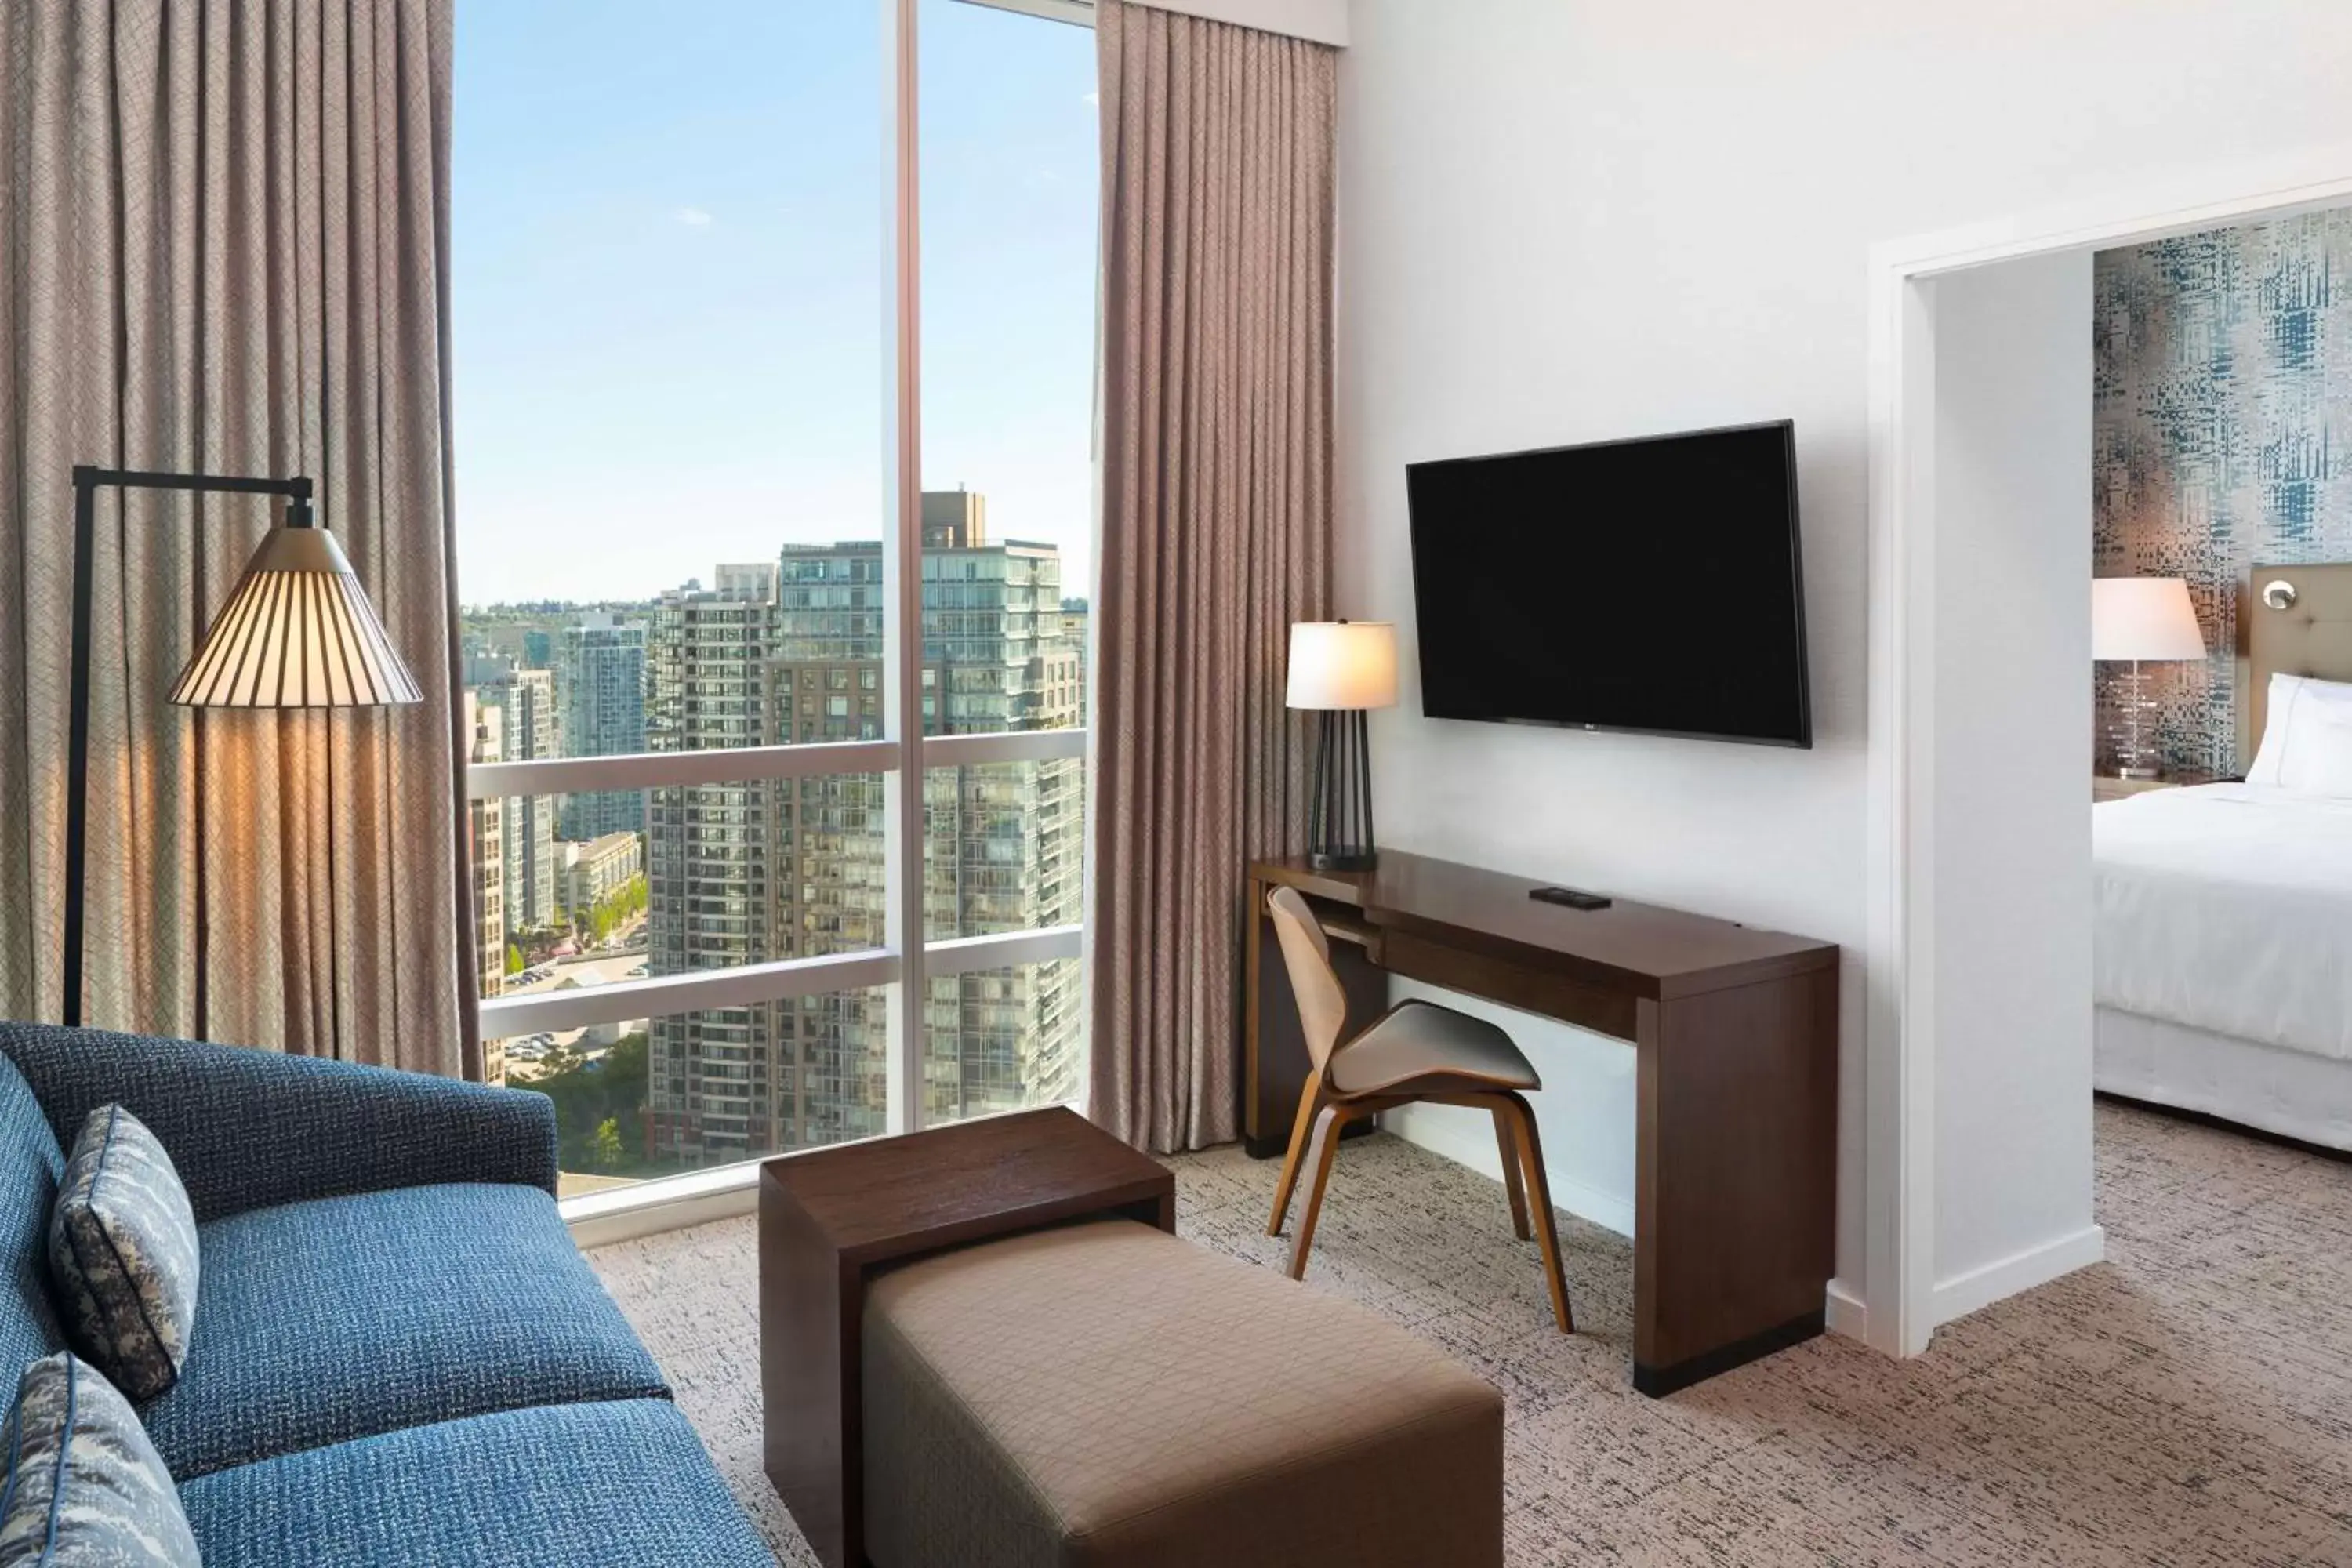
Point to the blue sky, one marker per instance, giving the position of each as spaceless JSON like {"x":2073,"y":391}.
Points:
{"x":669,"y":280}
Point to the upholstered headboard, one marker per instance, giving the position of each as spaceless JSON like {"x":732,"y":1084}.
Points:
{"x":2296,"y":619}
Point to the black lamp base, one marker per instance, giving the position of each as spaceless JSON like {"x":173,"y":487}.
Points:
{"x":1339,"y":809}
{"x":1344,"y":861}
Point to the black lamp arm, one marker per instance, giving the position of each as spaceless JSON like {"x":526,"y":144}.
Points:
{"x":295,"y":489}
{"x":87,"y":479}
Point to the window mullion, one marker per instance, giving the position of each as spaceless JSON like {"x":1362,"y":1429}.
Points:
{"x":902,"y":570}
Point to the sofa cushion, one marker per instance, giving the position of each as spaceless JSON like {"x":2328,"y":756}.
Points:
{"x":78,"y":1481}
{"x":30,"y":1165}
{"x":344,"y":1317}
{"x":122,"y":1254}
{"x":551,"y":1488}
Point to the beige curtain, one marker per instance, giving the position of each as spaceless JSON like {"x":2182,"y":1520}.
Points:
{"x":1216,"y":475}
{"x":225,"y":233}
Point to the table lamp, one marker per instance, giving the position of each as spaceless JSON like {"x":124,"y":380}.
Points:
{"x":2141,"y":620}
{"x":1338,"y":671}
{"x":297,"y":632}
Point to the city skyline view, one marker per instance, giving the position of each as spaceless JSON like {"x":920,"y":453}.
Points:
{"x":671,"y":311}
{"x":585,"y":888}
{"x":668,"y":333}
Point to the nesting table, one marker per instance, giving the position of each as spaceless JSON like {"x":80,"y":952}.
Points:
{"x":832,"y":1219}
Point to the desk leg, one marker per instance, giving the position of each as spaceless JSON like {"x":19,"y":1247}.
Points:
{"x":1258,"y":1092}
{"x":1735,"y":1185}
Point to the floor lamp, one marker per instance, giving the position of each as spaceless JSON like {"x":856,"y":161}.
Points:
{"x":297,"y":632}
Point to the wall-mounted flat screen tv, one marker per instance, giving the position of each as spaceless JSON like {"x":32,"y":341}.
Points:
{"x":1651,"y":585}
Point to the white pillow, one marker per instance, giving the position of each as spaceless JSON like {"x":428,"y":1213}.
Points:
{"x":2319,"y":753}
{"x":2305,"y":732}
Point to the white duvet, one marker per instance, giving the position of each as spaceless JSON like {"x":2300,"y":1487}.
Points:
{"x":2228,"y":908}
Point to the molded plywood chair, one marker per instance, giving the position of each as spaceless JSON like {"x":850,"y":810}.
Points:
{"x":1415,"y":1051}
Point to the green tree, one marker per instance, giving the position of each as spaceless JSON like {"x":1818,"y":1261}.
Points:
{"x":615,"y":908}
{"x":588,"y":1094}
{"x":514,"y":959}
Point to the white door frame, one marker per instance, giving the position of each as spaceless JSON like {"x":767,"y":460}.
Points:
{"x":1899,"y":1158}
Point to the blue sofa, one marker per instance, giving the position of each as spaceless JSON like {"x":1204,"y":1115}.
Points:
{"x":399,"y":1355}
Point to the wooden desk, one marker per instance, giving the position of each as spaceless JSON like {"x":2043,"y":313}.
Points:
{"x":1737,"y":1031}
{"x":831,"y":1218}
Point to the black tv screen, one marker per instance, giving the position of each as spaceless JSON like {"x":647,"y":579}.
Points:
{"x":1651,"y":585}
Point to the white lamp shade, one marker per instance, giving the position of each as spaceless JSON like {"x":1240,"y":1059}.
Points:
{"x":297,"y":633}
{"x":2144,"y":618}
{"x":1342,"y":665}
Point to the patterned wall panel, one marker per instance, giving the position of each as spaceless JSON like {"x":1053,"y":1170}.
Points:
{"x":2222,"y":435}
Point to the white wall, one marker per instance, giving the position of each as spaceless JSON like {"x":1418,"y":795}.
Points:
{"x":2012,"y":720}
{"x":1585,"y":218}
{"x":1584,"y":1117}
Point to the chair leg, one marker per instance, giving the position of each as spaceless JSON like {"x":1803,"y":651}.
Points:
{"x":1327,"y":1125}
{"x":1540,"y":1198}
{"x":1300,"y":1126}
{"x":1511,"y":1182}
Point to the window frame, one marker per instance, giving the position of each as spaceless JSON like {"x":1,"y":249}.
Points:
{"x":902,"y":756}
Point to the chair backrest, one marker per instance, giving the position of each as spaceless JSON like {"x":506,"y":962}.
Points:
{"x":1322,"y":1003}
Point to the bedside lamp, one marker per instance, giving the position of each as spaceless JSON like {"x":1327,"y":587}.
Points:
{"x":1339,"y":670}
{"x":2138,"y":620}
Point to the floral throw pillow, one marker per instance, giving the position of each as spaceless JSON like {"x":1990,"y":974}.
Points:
{"x":81,"y":1482}
{"x":123,"y":1255}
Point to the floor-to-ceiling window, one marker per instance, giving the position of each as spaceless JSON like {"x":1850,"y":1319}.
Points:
{"x":773,"y":377}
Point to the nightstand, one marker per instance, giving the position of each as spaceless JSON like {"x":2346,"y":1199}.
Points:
{"x":2106,"y":787}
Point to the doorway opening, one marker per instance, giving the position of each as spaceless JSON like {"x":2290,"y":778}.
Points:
{"x":1979,"y":1056}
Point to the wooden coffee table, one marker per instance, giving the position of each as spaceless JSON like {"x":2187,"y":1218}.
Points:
{"x":833,"y":1218}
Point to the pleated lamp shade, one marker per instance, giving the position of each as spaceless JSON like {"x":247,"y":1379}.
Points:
{"x":298,"y":633}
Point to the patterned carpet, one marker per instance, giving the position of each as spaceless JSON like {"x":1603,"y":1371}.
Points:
{"x":2187,"y":1403}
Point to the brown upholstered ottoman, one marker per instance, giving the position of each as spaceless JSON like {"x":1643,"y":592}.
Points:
{"x":1106,"y":1393}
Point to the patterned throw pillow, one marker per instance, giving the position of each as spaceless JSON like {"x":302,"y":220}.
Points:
{"x":83,"y":1484}
{"x":122,"y":1254}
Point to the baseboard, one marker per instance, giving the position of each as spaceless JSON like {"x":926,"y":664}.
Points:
{"x":1980,"y":1287}
{"x":668,"y":1203}
{"x":1477,"y":1149}
{"x":1848,"y":1313}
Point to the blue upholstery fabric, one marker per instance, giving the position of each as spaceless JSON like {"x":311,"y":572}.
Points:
{"x":575,"y":1486}
{"x":122,"y":1254}
{"x":30,"y":1165}
{"x":250,"y":1128}
{"x":322,"y":1321}
{"x":80,"y":1483}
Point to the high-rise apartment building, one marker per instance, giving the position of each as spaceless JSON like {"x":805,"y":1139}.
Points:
{"x":600,"y":690}
{"x":1077,"y":616}
{"x":790,"y":653}
{"x":525,"y":701}
{"x":486,"y":852}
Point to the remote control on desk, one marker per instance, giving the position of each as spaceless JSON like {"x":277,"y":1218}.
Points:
{"x":1575,"y":899}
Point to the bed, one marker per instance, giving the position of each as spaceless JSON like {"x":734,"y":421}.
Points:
{"x":2222,"y":949}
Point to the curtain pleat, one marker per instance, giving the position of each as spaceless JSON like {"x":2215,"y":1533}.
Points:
{"x":223,"y":226}
{"x":1216,"y":534}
